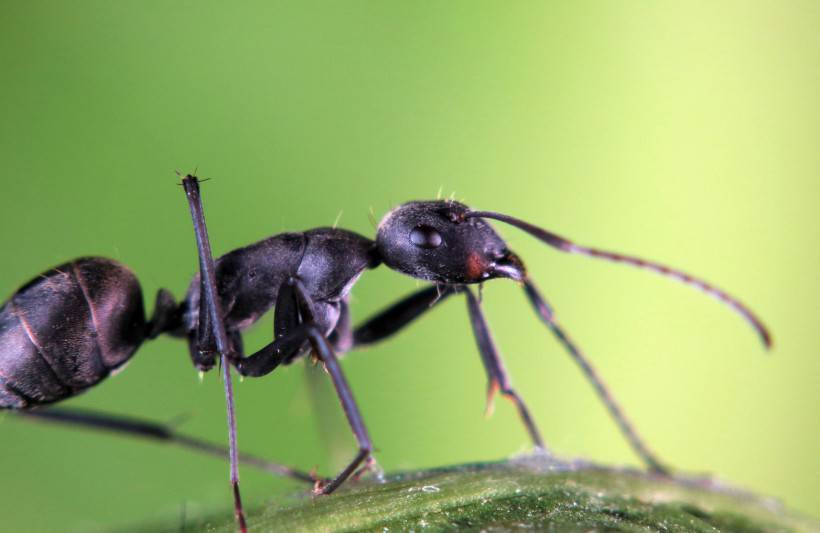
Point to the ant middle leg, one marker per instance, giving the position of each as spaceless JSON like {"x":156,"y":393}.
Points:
{"x":289,"y":345}
{"x":289,"y":338}
{"x":341,"y":338}
{"x":324,"y":350}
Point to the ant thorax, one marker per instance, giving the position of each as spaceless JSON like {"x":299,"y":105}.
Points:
{"x":328,"y":262}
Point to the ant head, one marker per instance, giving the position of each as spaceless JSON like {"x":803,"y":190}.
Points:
{"x":447,"y":242}
{"x":439,"y":241}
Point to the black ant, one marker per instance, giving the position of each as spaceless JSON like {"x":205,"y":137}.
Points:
{"x":72,"y":326}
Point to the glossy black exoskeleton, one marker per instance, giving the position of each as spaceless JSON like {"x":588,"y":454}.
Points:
{"x":69,"y":328}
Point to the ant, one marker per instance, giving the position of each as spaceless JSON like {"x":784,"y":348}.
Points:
{"x":72,"y":326}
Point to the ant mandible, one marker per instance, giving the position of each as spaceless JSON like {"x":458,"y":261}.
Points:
{"x":72,"y":326}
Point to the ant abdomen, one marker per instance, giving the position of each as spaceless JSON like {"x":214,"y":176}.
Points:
{"x":67,"y":330}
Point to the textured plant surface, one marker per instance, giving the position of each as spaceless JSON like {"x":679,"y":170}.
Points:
{"x":527,"y":493}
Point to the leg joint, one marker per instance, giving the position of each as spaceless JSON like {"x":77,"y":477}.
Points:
{"x":366,"y":448}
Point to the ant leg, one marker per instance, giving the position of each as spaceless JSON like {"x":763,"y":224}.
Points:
{"x":213,"y":308}
{"x":496,"y":373}
{"x":289,"y":338}
{"x":402,"y":313}
{"x":325,"y":352}
{"x":157,"y":432}
{"x":397,"y":316}
{"x":546,"y":315}
{"x":237,"y":344}
{"x":289,"y":345}
{"x":202,"y":341}
{"x":265,"y":361}
{"x":291,"y":341}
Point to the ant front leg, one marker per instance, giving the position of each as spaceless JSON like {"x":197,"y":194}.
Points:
{"x":545,"y":313}
{"x":399,"y":315}
{"x":403,"y":312}
{"x":498,"y":380}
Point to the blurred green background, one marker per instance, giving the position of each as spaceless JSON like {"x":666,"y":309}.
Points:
{"x":684,"y":132}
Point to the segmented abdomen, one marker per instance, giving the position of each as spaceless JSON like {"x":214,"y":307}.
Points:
{"x":67,"y":330}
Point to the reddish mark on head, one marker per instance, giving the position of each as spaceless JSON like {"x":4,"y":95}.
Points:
{"x":476,"y":266}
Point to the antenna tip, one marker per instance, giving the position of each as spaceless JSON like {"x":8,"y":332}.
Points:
{"x":766,"y":337}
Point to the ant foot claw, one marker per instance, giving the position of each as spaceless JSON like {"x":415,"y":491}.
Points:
{"x":319,"y":486}
{"x":370,"y":466}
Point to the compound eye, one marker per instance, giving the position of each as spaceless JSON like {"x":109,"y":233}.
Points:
{"x":425,"y":237}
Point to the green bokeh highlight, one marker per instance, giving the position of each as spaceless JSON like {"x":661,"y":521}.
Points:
{"x":683,"y":131}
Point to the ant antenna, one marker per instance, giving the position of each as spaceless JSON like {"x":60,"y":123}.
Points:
{"x":565,"y":245}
